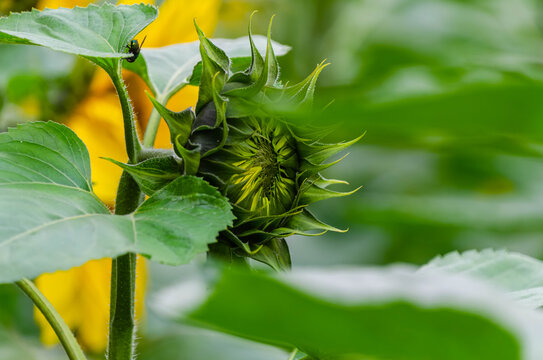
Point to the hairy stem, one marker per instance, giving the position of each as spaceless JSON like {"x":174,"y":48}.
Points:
{"x":65,"y":335}
{"x":133,"y":145}
{"x":122,"y":324}
{"x":152,"y":126}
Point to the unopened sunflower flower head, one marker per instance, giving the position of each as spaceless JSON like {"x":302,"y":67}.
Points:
{"x":267,"y":166}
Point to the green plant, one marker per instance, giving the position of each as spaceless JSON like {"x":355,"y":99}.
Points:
{"x":263,"y":168}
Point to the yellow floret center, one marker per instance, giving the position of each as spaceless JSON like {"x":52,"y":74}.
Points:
{"x":264,"y":184}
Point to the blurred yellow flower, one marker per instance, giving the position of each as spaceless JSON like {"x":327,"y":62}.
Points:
{"x":81,"y":295}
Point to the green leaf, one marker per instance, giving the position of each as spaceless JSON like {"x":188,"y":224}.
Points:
{"x":215,"y":69}
{"x":393,"y":314}
{"x":44,"y":153}
{"x":177,"y":222}
{"x":271,"y":66}
{"x":168,"y":69}
{"x":99,"y":33}
{"x":518,"y":274}
{"x":268,"y":76}
{"x":191,"y":157}
{"x":257,"y":62}
{"x":179,"y":123}
{"x":302,"y":93}
{"x":311,"y":194}
{"x":306,"y":221}
{"x":46,"y":203}
{"x":220,"y":115}
{"x":153,"y":174}
{"x":274,"y":253}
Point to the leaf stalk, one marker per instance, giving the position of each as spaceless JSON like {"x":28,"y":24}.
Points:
{"x":65,"y":335}
{"x":152,"y":125}
{"x":133,"y":145}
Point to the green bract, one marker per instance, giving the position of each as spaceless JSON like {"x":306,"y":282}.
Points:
{"x":266,"y":166}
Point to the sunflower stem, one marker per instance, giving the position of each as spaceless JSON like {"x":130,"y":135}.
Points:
{"x":122,"y":323}
{"x":65,"y":335}
{"x":152,"y":125}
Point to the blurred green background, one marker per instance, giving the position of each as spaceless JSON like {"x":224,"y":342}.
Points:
{"x":450,"y":93}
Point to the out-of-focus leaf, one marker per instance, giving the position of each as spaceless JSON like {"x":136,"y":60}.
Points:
{"x":504,"y":118}
{"x":32,"y":60}
{"x":447,"y":41}
{"x":364,"y":313}
{"x":46,"y":84}
{"x":8,"y":305}
{"x":434,"y":74}
{"x":167,"y":69}
{"x":22,"y":87}
{"x":46,"y":203}
{"x":520,"y":275}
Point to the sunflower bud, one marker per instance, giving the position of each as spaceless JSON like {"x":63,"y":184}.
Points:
{"x":267,"y":167}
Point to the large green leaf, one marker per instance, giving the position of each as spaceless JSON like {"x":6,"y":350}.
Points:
{"x":167,"y":69}
{"x":51,"y":220}
{"x":164,"y":339}
{"x":520,"y":275}
{"x":392,"y":314}
{"x":99,"y":33}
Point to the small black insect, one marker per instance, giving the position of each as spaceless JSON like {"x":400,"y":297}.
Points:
{"x":134,"y":48}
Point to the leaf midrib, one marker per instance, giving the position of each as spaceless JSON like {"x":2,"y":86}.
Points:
{"x":45,"y":225}
{"x":58,"y":185}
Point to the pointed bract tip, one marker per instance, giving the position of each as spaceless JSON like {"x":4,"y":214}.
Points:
{"x":255,"y":251}
{"x":250,"y":26}
{"x":354,"y":141}
{"x":270,"y":27}
{"x":158,"y":106}
{"x":251,"y":19}
{"x":353,"y":191}
{"x":338,"y":160}
{"x":198,"y":30}
{"x":349,"y":143}
{"x":323,"y":63}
